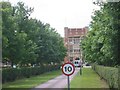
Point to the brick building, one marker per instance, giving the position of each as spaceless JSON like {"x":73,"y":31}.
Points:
{"x":72,"y":40}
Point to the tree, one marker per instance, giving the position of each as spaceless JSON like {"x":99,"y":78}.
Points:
{"x":101,"y":43}
{"x":26,"y":40}
{"x":16,"y":45}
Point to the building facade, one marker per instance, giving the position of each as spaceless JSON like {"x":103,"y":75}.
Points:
{"x":72,"y":39}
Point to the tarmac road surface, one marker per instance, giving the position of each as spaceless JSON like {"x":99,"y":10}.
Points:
{"x":58,"y":82}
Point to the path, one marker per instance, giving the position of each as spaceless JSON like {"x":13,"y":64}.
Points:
{"x":58,"y":82}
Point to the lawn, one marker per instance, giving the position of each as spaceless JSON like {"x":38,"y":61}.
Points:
{"x":32,"y":81}
{"x":88,"y":79}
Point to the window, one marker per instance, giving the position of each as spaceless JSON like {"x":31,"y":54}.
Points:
{"x":70,"y":41}
{"x":76,"y":50}
{"x":71,"y":58}
{"x":71,"y":50}
{"x":76,"y":40}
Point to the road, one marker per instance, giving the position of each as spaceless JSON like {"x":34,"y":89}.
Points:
{"x":58,"y":82}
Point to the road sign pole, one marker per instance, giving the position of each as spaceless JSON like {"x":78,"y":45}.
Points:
{"x":68,"y":83}
{"x":80,"y":70}
{"x":68,"y":69}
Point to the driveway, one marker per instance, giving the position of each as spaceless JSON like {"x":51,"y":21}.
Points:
{"x":58,"y":82}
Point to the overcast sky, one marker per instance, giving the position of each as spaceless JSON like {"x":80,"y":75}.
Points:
{"x":61,"y":13}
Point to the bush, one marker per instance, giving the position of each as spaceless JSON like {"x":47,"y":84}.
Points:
{"x":110,"y":74}
{"x":11,"y":74}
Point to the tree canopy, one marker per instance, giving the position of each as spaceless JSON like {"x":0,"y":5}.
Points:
{"x":101,"y":44}
{"x":26,"y":40}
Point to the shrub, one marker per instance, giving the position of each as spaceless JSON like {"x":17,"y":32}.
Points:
{"x":110,"y":74}
{"x":11,"y":74}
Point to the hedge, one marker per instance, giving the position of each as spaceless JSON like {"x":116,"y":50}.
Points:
{"x":110,"y":74}
{"x":11,"y":74}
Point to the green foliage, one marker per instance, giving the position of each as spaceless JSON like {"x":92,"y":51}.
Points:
{"x":12,"y":74}
{"x":102,"y":41}
{"x":110,"y":74}
{"x":26,"y":40}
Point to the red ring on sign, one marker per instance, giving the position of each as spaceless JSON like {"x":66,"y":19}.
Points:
{"x":70,"y":64}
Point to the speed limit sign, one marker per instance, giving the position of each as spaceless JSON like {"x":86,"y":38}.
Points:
{"x":68,"y":69}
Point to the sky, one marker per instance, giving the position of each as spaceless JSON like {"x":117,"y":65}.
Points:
{"x":61,"y":13}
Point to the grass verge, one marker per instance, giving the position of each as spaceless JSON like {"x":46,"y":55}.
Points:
{"x":88,"y":79}
{"x":32,"y":81}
